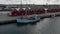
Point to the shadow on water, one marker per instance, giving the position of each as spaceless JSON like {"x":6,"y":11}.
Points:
{"x":25,"y":24}
{"x":21,"y":24}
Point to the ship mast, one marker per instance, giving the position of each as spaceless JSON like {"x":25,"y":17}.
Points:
{"x":25,"y":10}
{"x":21,"y":7}
{"x":29,"y":8}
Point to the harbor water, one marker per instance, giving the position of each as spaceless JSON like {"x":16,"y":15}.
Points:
{"x":45,"y":26}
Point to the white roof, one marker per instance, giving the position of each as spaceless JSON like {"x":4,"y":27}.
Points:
{"x":29,"y":2}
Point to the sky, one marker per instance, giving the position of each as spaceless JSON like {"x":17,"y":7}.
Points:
{"x":30,"y":2}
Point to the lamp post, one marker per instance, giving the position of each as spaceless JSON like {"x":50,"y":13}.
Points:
{"x":46,"y":8}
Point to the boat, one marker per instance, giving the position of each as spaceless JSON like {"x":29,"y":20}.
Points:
{"x":28,"y":20}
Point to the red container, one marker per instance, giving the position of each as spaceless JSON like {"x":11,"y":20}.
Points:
{"x":18,"y":13}
{"x":57,"y":10}
{"x":27,"y":12}
{"x":14,"y":13}
{"x":30,"y":12}
{"x":54,"y":10}
{"x":40,"y":11}
{"x":51,"y":11}
{"x":21,"y":12}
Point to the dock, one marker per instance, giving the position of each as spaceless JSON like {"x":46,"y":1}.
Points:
{"x":5,"y":19}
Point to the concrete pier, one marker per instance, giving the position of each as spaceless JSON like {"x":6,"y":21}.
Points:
{"x":5,"y":18}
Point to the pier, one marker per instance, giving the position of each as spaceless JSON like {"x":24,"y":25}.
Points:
{"x":4,"y":18}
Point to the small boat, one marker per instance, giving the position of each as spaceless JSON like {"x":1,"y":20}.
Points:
{"x":28,"y":20}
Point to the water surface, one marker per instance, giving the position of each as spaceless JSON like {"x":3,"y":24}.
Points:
{"x":45,"y":26}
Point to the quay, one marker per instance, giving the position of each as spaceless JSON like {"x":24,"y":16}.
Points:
{"x":5,"y":19}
